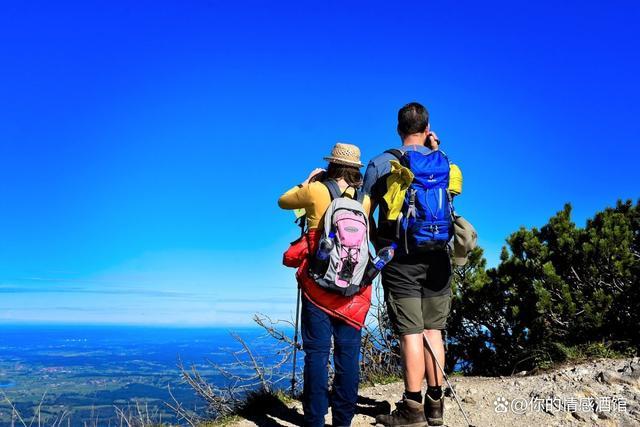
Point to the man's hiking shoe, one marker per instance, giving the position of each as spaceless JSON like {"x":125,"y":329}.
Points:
{"x":433,"y":410}
{"x":408,"y":413}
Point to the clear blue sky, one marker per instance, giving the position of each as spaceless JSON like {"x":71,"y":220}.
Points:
{"x":143,"y":144}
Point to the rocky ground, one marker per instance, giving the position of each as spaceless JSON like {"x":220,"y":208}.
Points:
{"x":601,"y":392}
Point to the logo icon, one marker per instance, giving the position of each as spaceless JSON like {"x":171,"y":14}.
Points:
{"x":501,"y":405}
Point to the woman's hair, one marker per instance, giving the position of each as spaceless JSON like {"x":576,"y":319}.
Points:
{"x":351,"y":174}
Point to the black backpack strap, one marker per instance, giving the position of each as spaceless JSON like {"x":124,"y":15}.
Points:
{"x":335,"y":192}
{"x":334,"y":188}
{"x":302,"y":223}
{"x":395,"y":153}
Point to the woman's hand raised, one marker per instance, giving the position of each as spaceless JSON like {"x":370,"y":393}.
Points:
{"x":314,"y":173}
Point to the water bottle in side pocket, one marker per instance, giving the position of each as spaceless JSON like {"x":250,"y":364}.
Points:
{"x":384,"y":256}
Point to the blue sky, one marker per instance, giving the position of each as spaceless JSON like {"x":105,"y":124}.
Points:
{"x":143,"y":144}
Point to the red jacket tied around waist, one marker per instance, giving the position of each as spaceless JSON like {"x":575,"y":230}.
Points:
{"x":352,"y":309}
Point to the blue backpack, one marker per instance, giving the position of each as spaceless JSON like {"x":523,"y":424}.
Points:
{"x":425,"y":221}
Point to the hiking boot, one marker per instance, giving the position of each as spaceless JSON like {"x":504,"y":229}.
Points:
{"x":408,"y":413}
{"x":434,"y":410}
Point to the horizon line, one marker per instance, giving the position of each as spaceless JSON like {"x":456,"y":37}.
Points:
{"x":127,"y":325}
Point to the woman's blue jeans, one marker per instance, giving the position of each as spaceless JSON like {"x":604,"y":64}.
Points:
{"x":317,"y":330}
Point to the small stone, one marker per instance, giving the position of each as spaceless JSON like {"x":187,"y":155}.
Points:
{"x":470,"y":400}
{"x":588,"y":391}
{"x":612,"y":378}
{"x":577,"y":416}
{"x":447,"y":392}
{"x":582,"y":371}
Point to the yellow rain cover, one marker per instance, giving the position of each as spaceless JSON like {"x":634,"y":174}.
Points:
{"x":455,"y":180}
{"x":397,"y":183}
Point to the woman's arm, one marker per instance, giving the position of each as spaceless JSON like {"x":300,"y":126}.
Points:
{"x":295,"y":198}
{"x":299,"y":197}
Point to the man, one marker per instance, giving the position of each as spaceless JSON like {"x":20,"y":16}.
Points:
{"x":416,"y":286}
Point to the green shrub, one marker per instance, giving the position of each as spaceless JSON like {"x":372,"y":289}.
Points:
{"x":559,"y":293}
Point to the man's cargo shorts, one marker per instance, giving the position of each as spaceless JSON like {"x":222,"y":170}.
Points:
{"x":417,"y":290}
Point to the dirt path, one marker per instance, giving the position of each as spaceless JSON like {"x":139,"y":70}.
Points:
{"x":602,"y":392}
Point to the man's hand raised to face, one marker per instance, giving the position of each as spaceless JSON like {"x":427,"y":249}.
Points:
{"x":432,"y":141}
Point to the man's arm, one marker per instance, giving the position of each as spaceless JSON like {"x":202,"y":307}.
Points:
{"x":370,"y":178}
{"x":373,"y":228}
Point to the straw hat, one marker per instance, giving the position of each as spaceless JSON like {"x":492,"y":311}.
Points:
{"x":345,"y":154}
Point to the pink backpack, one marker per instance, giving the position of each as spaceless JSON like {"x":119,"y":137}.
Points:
{"x":343,"y":251}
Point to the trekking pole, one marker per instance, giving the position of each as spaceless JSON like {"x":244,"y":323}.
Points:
{"x":295,"y":346}
{"x":302,"y":222}
{"x":426,"y":340}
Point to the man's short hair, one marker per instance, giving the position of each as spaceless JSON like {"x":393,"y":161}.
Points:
{"x":412,"y":118}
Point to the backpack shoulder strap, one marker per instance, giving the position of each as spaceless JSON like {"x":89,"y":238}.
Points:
{"x":334,"y":188}
{"x":335,"y":192}
{"x":395,"y":153}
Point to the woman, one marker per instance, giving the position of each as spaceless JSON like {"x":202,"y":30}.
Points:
{"x":326,"y":314}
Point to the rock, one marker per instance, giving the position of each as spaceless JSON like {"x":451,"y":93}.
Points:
{"x":626,"y":421}
{"x":588,"y":391}
{"x":611,"y":378}
{"x":470,"y":400}
{"x":521,"y":374}
{"x":578,"y":416}
{"x":582,"y":371}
